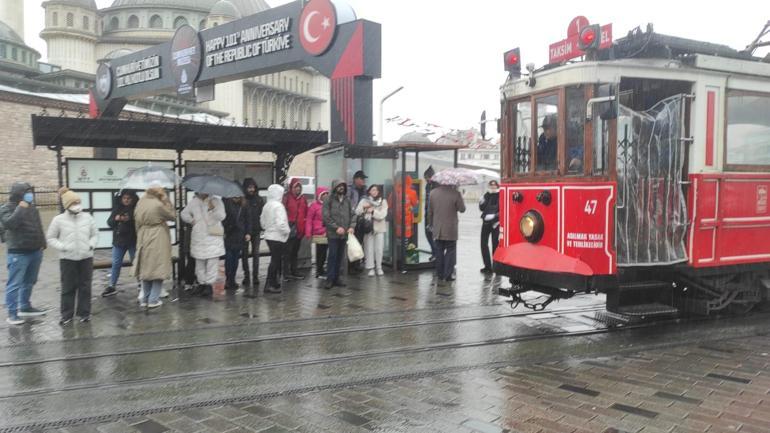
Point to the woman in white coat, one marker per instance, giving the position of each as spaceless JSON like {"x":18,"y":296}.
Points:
{"x":374,"y":210}
{"x":73,"y":233}
{"x":207,"y":244}
{"x":275,"y":223}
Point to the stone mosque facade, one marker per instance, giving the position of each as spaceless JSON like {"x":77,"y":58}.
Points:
{"x":79,"y":36}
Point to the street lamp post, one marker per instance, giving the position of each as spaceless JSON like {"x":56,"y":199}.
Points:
{"x":380,"y":138}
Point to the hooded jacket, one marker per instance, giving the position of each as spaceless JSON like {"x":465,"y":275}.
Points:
{"x":204,"y":245}
{"x":338,"y":212}
{"x":274,"y":221}
{"x":123,"y":232}
{"x":314,"y":223}
{"x":296,"y":207}
{"x":23,"y":226}
{"x":254,"y":205}
{"x":73,"y":235}
{"x":237,"y":224}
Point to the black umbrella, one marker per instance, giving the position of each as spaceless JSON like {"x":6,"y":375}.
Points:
{"x":212,"y":185}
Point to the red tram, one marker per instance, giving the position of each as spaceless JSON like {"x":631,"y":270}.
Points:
{"x":641,"y":171}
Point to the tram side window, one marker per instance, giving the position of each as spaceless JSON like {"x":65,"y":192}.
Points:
{"x":576,"y":114}
{"x":602,"y":131}
{"x":748,"y":128}
{"x":522,"y":141}
{"x":547,"y":121}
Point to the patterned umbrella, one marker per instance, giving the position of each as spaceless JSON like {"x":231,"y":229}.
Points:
{"x":456,"y":177}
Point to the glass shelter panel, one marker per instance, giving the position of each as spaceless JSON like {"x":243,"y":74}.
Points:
{"x":380,"y":172}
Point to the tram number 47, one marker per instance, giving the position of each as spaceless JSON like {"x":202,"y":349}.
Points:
{"x":590,"y":207}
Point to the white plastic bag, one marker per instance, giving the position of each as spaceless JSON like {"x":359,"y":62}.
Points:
{"x":355,"y":250}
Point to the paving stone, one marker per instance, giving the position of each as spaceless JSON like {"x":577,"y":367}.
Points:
{"x":150,"y":426}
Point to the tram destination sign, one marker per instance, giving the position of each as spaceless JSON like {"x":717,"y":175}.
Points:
{"x":568,"y":48}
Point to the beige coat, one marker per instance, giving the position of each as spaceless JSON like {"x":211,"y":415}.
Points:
{"x":445,"y":202}
{"x":153,"y":244}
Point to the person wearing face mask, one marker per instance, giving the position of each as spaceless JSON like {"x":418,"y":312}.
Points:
{"x":73,"y":233}
{"x":374,"y":209}
{"x":207,"y":243}
{"x":25,"y":240}
{"x":490,"y":223}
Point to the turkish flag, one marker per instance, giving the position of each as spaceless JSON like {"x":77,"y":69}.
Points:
{"x":317,"y":26}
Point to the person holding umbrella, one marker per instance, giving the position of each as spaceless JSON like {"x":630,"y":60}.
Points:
{"x":445,"y":203}
{"x":153,"y":243}
{"x":205,"y":213}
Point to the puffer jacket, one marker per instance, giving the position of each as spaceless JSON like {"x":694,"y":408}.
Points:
{"x":274,"y":221}
{"x":204,"y":245}
{"x":378,"y":215}
{"x":236,"y":224}
{"x":74,"y":236}
{"x":23,"y":226}
{"x":314,"y":223}
{"x":296,"y":208}
{"x":255,"y":203}
{"x":338,"y":213}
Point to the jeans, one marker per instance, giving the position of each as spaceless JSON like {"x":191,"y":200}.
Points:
{"x":274,"y":269}
{"x":336,"y":254}
{"x":446,"y":258}
{"x":118,"y":253}
{"x":232,"y":257}
{"x":374,"y":245}
{"x":22,"y":275}
{"x":291,"y":251}
{"x":488,"y":230}
{"x":320,"y":258}
{"x":76,"y":276}
{"x":207,"y":270}
{"x":254,"y":243}
{"x":151,"y":290}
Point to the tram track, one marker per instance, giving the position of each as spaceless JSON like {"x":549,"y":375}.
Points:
{"x":756,"y":327}
{"x":288,"y":336}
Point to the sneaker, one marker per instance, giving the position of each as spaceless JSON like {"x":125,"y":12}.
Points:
{"x":298,"y":276}
{"x":371,"y":272}
{"x":31,"y":312}
{"x":142,"y":304}
{"x":273,"y":290}
{"x":141,"y":295}
{"x":65,"y":322}
{"x":380,"y":272}
{"x":109,"y":291}
{"x":155,"y":304}
{"x":329,"y":284}
{"x":163,"y":293}
{"x":14,"y":320}
{"x":85,"y":319}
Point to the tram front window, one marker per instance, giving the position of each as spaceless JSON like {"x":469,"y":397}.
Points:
{"x":547,"y":120}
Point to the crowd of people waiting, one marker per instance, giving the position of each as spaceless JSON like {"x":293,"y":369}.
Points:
{"x":231,"y":228}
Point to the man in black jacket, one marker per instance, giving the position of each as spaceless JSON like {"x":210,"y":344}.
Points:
{"x":254,"y":205}
{"x":121,"y":221}
{"x":237,"y":233}
{"x":490,"y":223}
{"x":26,"y":241}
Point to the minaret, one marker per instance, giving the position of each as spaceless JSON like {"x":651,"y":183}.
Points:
{"x":12,"y":13}
{"x":71,"y":34}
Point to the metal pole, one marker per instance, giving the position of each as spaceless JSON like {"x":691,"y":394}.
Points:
{"x":380,"y":140}
{"x":402,"y":244}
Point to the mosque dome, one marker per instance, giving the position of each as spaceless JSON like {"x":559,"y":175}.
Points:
{"x":226,"y":9}
{"x":244,"y":7}
{"x":7,"y":34}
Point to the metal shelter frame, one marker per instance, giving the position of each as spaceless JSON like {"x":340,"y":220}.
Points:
{"x":56,"y":133}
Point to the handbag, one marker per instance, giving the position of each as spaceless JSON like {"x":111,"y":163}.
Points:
{"x":355,"y":250}
{"x":364,"y":225}
{"x":216,"y":230}
{"x":320,"y":240}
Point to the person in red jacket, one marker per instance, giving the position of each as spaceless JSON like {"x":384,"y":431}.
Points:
{"x":296,"y":209}
{"x":316,"y":230}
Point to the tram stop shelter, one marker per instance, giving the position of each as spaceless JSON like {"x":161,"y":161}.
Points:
{"x":397,"y":167}
{"x":110,"y":134}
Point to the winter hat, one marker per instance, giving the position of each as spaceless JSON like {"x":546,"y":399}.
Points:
{"x":68,"y":198}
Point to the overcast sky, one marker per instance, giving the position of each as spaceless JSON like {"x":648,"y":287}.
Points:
{"x":449,"y":58}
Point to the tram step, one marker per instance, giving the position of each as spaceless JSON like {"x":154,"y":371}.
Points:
{"x":648,"y":310}
{"x":645,"y":285}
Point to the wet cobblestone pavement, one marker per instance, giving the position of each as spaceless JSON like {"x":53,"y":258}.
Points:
{"x":392,"y":354}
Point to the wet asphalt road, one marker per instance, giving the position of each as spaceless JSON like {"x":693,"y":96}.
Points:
{"x":194,"y":351}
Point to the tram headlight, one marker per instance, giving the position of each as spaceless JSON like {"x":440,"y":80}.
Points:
{"x":531,"y":226}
